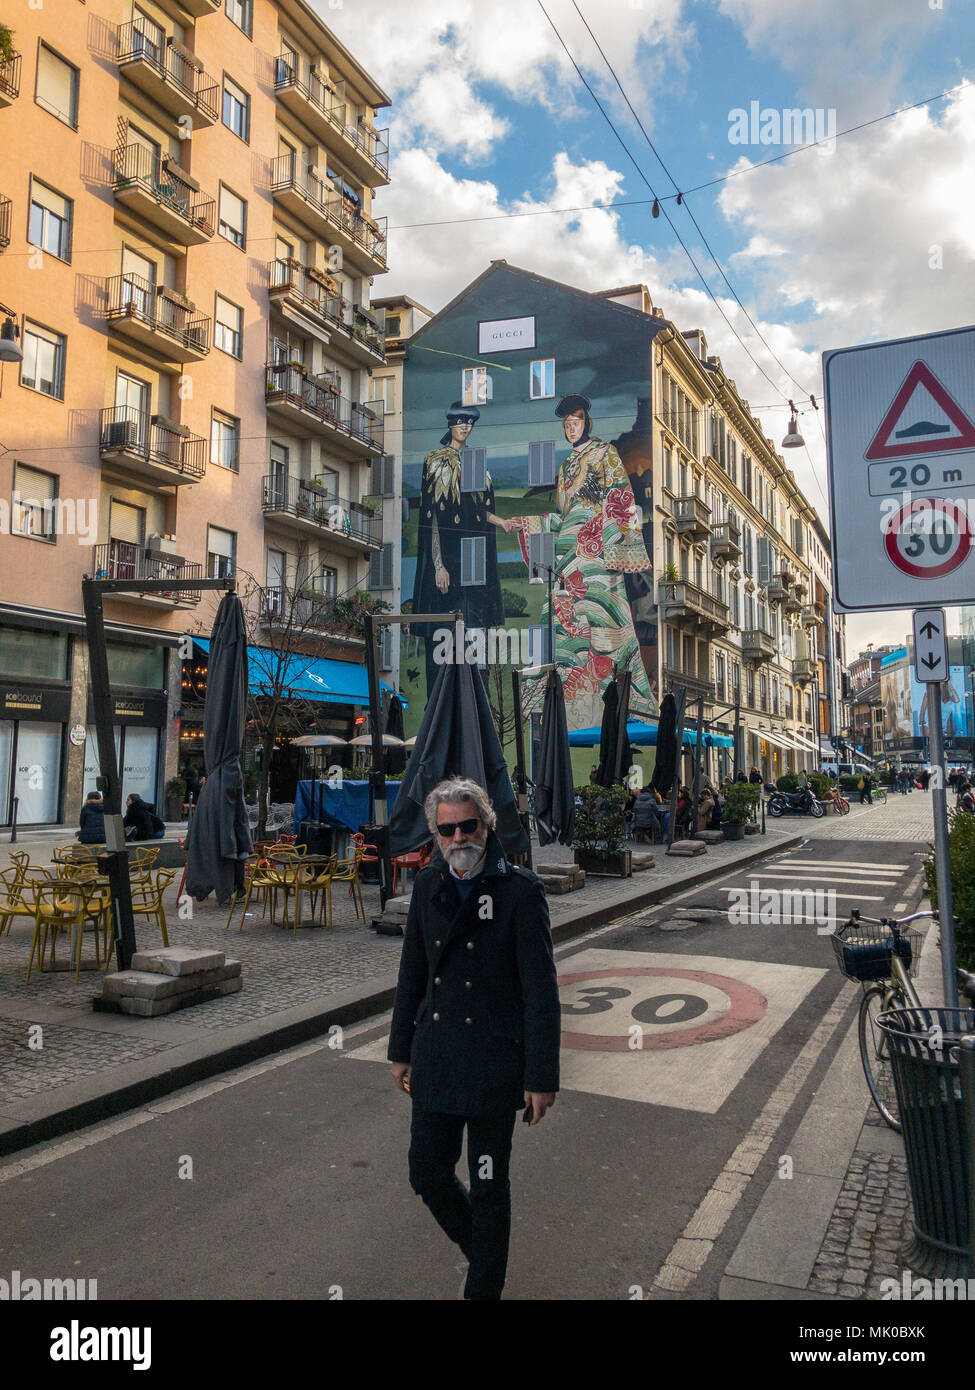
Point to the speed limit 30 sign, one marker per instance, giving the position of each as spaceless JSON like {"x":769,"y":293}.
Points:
{"x":901,"y":444}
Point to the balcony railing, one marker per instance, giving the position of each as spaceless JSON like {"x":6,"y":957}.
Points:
{"x":322,"y":508}
{"x":725,"y":541}
{"x":757,"y":645}
{"x":810,"y":616}
{"x":694,"y":685}
{"x":184,"y":83}
{"x":131,"y":297}
{"x":6,"y":209}
{"x":289,"y":278}
{"x":315,"y":395}
{"x":136,"y":434}
{"x":374,"y":145}
{"x":692,"y":514}
{"x":777,"y":586}
{"x":10,"y":79}
{"x":138,"y":169}
{"x":803,"y":670}
{"x":307,"y":611}
{"x":121,"y":560}
{"x":340,"y":213}
{"x":680,"y":600}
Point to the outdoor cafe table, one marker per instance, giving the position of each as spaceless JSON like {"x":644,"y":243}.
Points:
{"x":298,"y":861}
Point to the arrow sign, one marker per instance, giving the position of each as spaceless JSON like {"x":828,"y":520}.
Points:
{"x":930,"y":645}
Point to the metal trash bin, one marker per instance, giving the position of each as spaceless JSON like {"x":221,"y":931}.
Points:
{"x":924,"y":1052}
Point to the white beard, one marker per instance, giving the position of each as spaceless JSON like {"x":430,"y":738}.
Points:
{"x":462,"y":858}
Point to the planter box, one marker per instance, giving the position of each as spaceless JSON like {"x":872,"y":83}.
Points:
{"x":752,"y":827}
{"x":175,"y":808}
{"x":733,"y":830}
{"x":609,"y":865}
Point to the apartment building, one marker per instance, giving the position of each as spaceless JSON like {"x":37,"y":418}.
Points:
{"x":403,"y":317}
{"x":191,"y":248}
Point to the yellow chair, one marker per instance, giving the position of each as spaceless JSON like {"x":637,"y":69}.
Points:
{"x":63,"y":905}
{"x":13,"y":903}
{"x":147,"y":900}
{"x":143,"y":858}
{"x":347,"y":871}
{"x":316,"y":879}
{"x":266,"y":879}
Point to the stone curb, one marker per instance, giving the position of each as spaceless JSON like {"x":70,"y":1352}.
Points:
{"x":35,"y":1119}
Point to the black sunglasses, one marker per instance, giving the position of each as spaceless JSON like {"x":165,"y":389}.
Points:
{"x":466,"y":827}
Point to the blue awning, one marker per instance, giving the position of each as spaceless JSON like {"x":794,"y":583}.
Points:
{"x":645,"y":735}
{"x":311,"y":677}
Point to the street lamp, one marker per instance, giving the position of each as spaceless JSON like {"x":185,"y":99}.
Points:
{"x":9,"y":351}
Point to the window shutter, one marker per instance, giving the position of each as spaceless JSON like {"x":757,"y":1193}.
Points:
{"x":127,"y":523}
{"x":472,"y":561}
{"x":473,"y":470}
{"x":382,"y":476}
{"x":541,"y":463}
{"x":541,"y":551}
{"x":220,"y":542}
{"x":764,"y":560}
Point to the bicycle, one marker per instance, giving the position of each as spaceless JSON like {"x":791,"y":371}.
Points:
{"x":881,"y":956}
{"x":838,"y":801}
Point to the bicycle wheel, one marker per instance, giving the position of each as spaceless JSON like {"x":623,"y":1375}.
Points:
{"x":881,"y":796}
{"x":844,"y":806}
{"x":874,"y":1051}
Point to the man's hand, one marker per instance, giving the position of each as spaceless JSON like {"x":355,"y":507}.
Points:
{"x":539,"y":1101}
{"x":442,"y":579}
{"x":401,"y":1075}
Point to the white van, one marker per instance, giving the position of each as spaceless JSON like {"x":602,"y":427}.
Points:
{"x":844,"y":769}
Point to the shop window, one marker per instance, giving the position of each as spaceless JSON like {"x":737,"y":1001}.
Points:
{"x":137,"y":665}
{"x":28,"y":652}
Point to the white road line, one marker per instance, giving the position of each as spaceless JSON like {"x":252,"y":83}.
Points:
{"x":800,"y":862}
{"x":690,"y":1252}
{"x":825,"y":878}
{"x":853,"y":897}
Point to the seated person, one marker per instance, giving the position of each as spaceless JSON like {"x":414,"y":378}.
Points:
{"x":647,"y":821}
{"x":141,"y":821}
{"x":92,"y":821}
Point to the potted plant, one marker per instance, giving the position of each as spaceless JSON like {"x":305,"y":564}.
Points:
{"x":175,"y":797}
{"x":738,"y":807}
{"x":599,"y":840}
{"x":671,"y":574}
{"x":6,"y":45}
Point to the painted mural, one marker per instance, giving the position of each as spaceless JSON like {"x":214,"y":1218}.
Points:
{"x":537,"y":398}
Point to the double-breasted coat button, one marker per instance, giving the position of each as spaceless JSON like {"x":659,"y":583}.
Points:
{"x":436,"y":1018}
{"x":436,"y":943}
{"x":436,"y":979}
{"x":470,"y":945}
{"x":467,"y":1020}
{"x":467,"y":984}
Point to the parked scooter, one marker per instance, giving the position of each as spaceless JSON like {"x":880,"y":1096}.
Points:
{"x":802,"y":802}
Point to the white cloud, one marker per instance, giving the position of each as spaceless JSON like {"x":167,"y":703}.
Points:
{"x":444,"y":110}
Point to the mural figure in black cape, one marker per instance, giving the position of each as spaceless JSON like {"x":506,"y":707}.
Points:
{"x":448,"y":516}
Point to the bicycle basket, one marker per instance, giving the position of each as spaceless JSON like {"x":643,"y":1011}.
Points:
{"x":864,"y":952}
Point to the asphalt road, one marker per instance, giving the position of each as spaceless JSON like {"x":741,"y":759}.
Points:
{"x":288,"y":1179}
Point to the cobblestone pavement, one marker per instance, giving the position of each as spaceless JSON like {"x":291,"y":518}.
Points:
{"x":903,"y":818}
{"x":870,"y":1226}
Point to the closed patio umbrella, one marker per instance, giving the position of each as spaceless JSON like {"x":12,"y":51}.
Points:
{"x":456,"y":739}
{"x":555,"y":803}
{"x":218,"y":840}
{"x":395,"y":758}
{"x":662,"y":777}
{"x":607,"y":736}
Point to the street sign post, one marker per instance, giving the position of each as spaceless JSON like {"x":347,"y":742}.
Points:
{"x":901,"y":456}
{"x":901,"y":445}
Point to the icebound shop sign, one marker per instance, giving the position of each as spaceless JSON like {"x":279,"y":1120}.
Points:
{"x":901,"y":440}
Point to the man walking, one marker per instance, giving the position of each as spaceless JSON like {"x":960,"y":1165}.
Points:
{"x":476,"y":1025}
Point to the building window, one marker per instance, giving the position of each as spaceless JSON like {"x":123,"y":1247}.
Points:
{"x":473,"y":470}
{"x":392,"y":329}
{"x":57,"y":86}
{"x":382,"y":391}
{"x":542,"y":470}
{"x":669,"y":469}
{"x":225,"y":440}
{"x":382,"y":476}
{"x":236,"y":109}
{"x":221,"y":552}
{"x":43,"y":366}
{"x":233,"y":217}
{"x":472,"y":560}
{"x":241,"y":13}
{"x":229,"y":324}
{"x":381,"y":568}
{"x":474,"y":386}
{"x":541,"y":553}
{"x":542,"y":384}
{"x":49,"y":226}
{"x":33,"y":507}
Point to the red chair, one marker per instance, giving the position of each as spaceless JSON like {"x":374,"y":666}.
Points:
{"x":416,"y":860}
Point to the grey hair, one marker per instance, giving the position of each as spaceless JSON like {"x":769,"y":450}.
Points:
{"x":459,"y":789}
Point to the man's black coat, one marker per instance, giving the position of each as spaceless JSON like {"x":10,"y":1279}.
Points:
{"x":477,"y":1004}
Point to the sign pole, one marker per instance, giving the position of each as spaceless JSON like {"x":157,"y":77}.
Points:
{"x":942,"y":865}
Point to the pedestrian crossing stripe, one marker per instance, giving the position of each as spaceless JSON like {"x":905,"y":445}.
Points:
{"x":800,"y":863}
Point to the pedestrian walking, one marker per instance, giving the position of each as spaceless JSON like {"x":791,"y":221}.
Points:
{"x":755,"y":776}
{"x":966,"y":797}
{"x":926,"y":778}
{"x":476,"y":1025}
{"x":866,"y":789}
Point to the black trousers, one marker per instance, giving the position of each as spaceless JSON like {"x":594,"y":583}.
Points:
{"x":478,"y":1221}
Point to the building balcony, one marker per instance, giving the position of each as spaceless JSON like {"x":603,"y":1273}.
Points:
{"x":684,"y":603}
{"x":120,"y":560}
{"x":307,"y":506}
{"x":10,"y":79}
{"x":167,"y":75}
{"x":312,"y":402}
{"x":310,"y":612}
{"x":199,"y":8}
{"x":353,"y":331}
{"x":695,"y":687}
{"x":803,"y":670}
{"x":164,"y":196}
{"x":810,"y":616}
{"x":757,"y":645}
{"x":777,"y":587}
{"x":365,"y":152}
{"x":153,"y":319}
{"x":333,"y":218}
{"x":6,"y":212}
{"x":725,"y":541}
{"x":693,"y":517}
{"x":145,"y":448}
{"x":793,"y":600}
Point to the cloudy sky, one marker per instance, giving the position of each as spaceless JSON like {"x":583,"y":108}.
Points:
{"x":869,"y":237}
